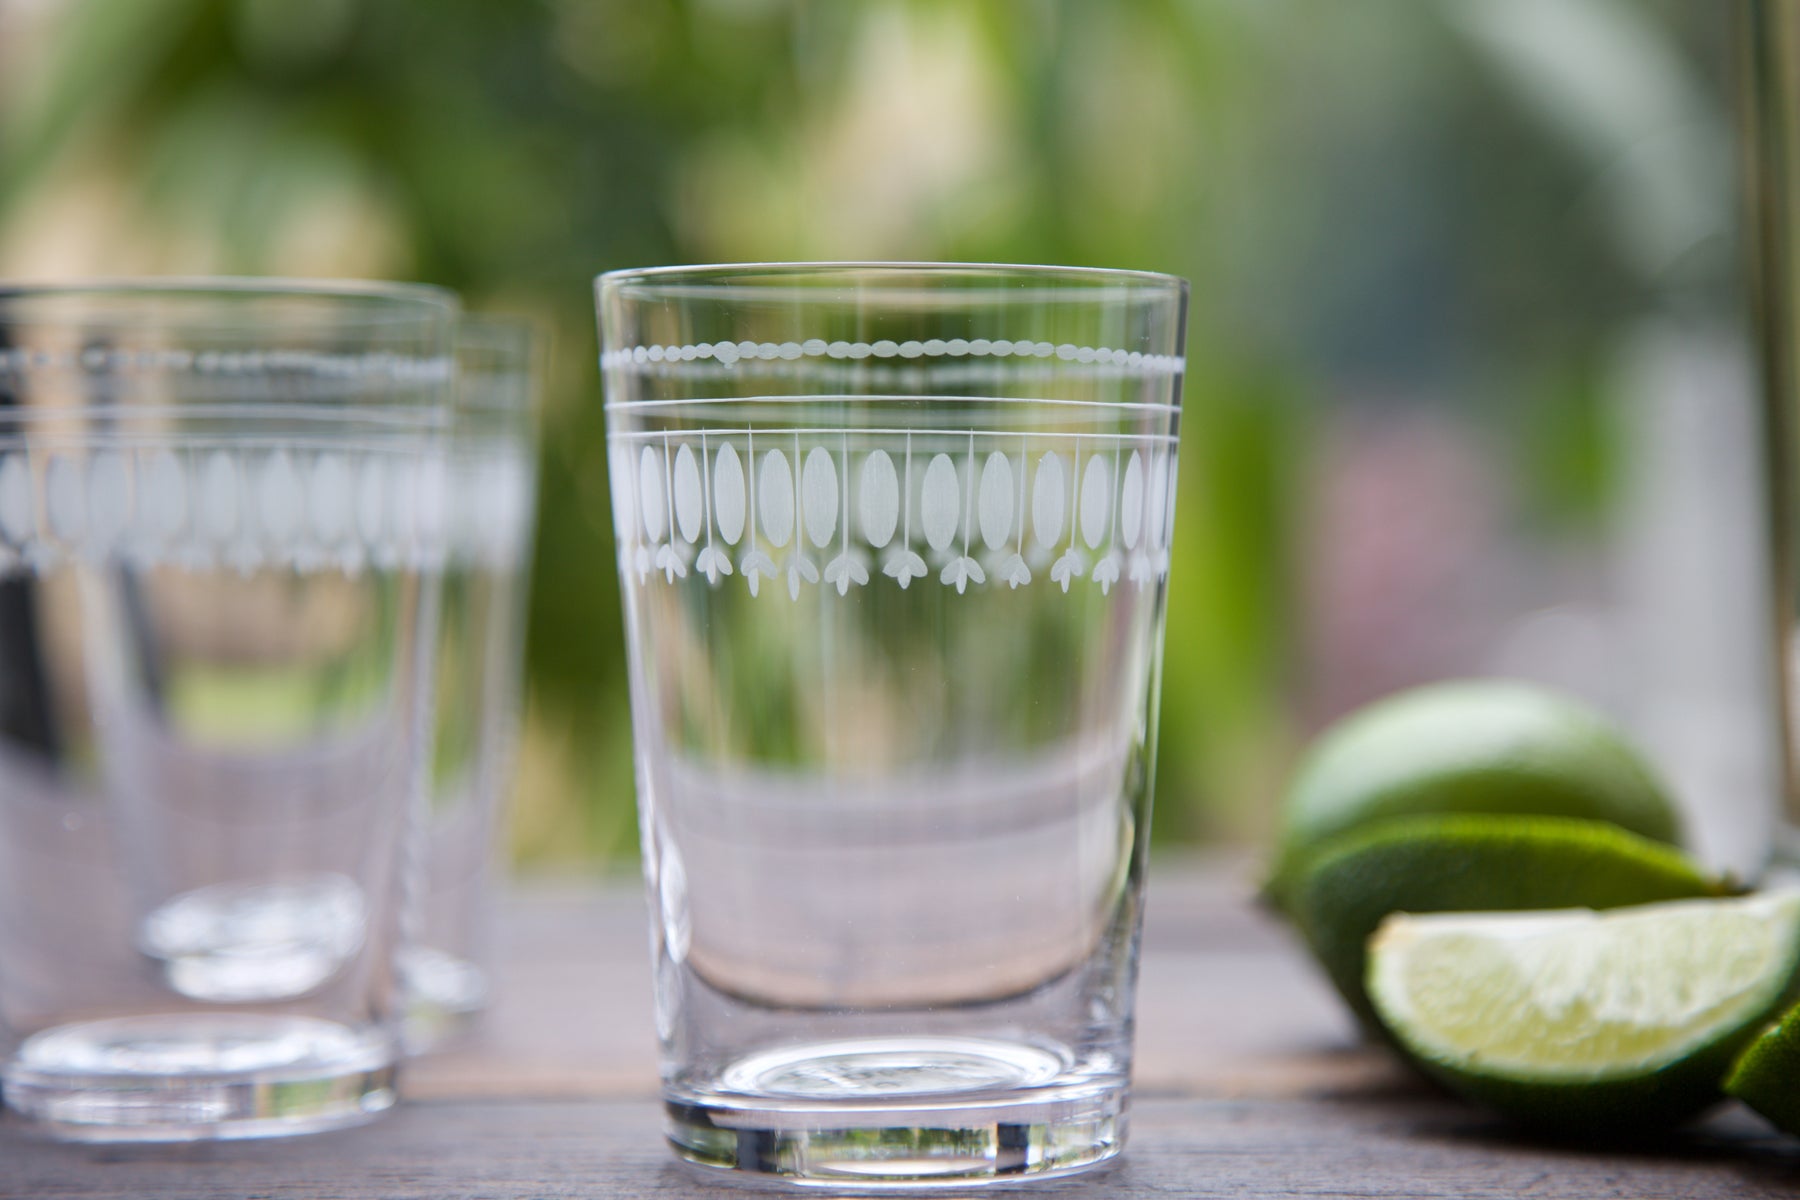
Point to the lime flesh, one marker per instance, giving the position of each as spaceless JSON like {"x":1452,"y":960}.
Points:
{"x":1584,"y":1022}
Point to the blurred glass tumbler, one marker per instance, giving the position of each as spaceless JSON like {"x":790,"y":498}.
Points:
{"x":492,"y":496}
{"x":893,"y":542}
{"x":220,"y":524}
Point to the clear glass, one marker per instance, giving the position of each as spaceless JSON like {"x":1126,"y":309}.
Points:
{"x":893,"y":542}
{"x":480,"y":652}
{"x":1771,"y":139}
{"x":220,"y":527}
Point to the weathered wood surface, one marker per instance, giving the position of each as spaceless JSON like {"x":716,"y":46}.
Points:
{"x":1249,"y":1085}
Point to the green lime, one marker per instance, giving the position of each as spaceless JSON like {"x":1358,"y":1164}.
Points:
{"x":1474,"y":747}
{"x":1474,"y":864}
{"x":1580,"y":1022}
{"x":1766,"y":1076}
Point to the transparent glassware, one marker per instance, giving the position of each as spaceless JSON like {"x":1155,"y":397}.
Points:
{"x":1770,"y":136}
{"x":221,"y":519}
{"x":893,"y":542}
{"x":480,"y":652}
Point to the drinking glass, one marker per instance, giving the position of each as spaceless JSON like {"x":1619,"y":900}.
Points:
{"x":221,"y":518}
{"x":493,"y":478}
{"x":893,"y":542}
{"x":1771,"y":141}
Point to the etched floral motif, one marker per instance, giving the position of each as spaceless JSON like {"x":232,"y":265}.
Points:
{"x":962,"y":571}
{"x":970,"y":509}
{"x":845,"y":570}
{"x":712,"y":561}
{"x":755,"y":565}
{"x":848,"y":568}
{"x":238,"y":505}
{"x":904,"y":566}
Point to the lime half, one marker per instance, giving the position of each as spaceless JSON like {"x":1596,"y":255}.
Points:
{"x":1482,"y":746}
{"x":1584,"y":1022}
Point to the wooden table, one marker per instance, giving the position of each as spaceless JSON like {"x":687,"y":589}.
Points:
{"x":1249,"y":1083}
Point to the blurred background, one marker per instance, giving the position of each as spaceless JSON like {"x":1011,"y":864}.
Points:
{"x":1468,"y":385}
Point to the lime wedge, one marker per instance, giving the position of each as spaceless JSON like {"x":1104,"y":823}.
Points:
{"x":1766,"y":1076}
{"x":1473,"y":864}
{"x":1584,"y":1022}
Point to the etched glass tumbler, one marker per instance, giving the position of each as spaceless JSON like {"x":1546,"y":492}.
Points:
{"x":221,"y":522}
{"x":480,"y":651}
{"x":893,"y":542}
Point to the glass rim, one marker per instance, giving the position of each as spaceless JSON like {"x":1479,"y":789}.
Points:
{"x":499,"y":334}
{"x":504,"y":346}
{"x":738,"y":278}
{"x":383,"y":304}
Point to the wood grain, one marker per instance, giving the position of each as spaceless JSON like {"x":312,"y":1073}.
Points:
{"x":1249,"y":1085}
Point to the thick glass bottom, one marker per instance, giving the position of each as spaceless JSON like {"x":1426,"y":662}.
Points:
{"x":885,"y":1114}
{"x":446,"y":997}
{"x":199,"y":1076}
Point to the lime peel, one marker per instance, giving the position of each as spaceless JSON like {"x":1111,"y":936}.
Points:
{"x":1584,"y":1021}
{"x":1765,"y":1074}
{"x":1478,"y":746}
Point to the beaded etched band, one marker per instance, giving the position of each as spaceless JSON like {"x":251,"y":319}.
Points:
{"x":970,"y":508}
{"x":728,"y":353}
{"x":376,"y":368}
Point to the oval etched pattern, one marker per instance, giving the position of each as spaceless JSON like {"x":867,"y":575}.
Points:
{"x":775,"y":498}
{"x":690,"y":505}
{"x":1047,"y":502}
{"x":515,"y":482}
{"x":939,"y":504}
{"x":15,"y":499}
{"x":434,"y":500}
{"x":403,"y":498}
{"x":623,"y":495}
{"x":994,"y":502}
{"x":652,"y":502}
{"x":278,"y":497}
{"x":728,"y":494}
{"x":63,"y":502}
{"x":880,"y":499}
{"x":219,"y":495}
{"x":109,"y":497}
{"x":1096,"y":502}
{"x":1131,"y":501}
{"x":329,"y":498}
{"x":1156,"y":519}
{"x":819,"y":496}
{"x":371,"y":500}
{"x":1169,"y":497}
{"x":162,"y":495}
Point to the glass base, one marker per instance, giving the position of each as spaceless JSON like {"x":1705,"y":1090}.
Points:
{"x":249,"y":943}
{"x":445,"y":998}
{"x":199,"y":1076}
{"x":889,"y":1114}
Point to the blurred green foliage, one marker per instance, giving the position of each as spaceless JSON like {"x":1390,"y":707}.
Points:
{"x":1377,"y":201}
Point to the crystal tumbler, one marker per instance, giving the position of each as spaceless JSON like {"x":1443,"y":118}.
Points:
{"x":893,"y":542}
{"x":221,"y":521}
{"x":480,"y":650}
